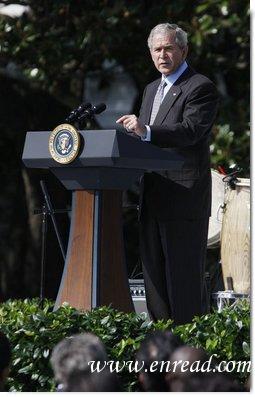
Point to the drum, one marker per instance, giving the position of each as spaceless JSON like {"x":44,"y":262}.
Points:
{"x":235,"y":237}
{"x":215,"y":221}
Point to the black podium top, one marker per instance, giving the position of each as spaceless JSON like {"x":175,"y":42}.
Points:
{"x":108,"y":159}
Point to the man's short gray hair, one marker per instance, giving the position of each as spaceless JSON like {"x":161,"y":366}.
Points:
{"x":165,"y":28}
{"x":72,"y":355}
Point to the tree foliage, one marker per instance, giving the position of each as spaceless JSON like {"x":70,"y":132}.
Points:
{"x":61,"y":40}
{"x":58,"y":42}
{"x":50,"y":50}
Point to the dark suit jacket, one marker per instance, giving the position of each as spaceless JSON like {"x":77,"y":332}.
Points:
{"x":183,"y":123}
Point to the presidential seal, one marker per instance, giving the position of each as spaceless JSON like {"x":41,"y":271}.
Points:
{"x":64,"y":143}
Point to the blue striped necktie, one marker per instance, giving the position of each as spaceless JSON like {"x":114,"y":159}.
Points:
{"x":157,"y":100}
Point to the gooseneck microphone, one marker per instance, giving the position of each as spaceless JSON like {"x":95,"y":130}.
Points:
{"x":89,"y":112}
{"x":85,"y":112}
{"x":73,"y":116}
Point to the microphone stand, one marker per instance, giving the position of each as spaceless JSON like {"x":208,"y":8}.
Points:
{"x":89,"y":114}
{"x":83,"y":121}
{"x":231,"y":178}
{"x":46,"y":210}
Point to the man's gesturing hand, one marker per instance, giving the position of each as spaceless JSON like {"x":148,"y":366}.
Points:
{"x":132,"y":124}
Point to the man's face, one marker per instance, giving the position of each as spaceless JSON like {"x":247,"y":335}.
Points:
{"x":166,"y":54}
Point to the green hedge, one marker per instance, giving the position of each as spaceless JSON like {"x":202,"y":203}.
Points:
{"x":34,"y":331}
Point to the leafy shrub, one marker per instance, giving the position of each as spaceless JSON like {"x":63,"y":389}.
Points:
{"x":225,"y":334}
{"x":230,"y":148}
{"x":34,"y":331}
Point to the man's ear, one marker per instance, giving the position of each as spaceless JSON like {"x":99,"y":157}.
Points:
{"x":185,"y":52}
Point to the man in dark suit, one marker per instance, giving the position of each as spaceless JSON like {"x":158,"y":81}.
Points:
{"x":177,"y":112}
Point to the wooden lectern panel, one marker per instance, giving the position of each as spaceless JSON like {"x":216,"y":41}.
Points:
{"x":77,"y":277}
{"x":114,"y":286}
{"x":77,"y":285}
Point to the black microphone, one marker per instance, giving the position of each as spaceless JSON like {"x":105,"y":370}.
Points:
{"x":73,"y":116}
{"x":99,"y":108}
{"x":89,"y":113}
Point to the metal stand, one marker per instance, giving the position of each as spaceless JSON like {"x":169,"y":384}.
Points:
{"x":46,"y":210}
{"x":227,"y":298}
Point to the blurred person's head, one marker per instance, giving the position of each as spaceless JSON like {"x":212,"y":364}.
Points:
{"x":70,"y":361}
{"x":190,"y":354}
{"x":185,"y":361}
{"x":104,"y":381}
{"x":5,"y":359}
{"x":156,"y":348}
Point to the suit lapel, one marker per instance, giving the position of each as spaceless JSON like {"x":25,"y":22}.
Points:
{"x":169,"y":100}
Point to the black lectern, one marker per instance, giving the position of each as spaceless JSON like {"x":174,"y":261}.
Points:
{"x":109,"y":162}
